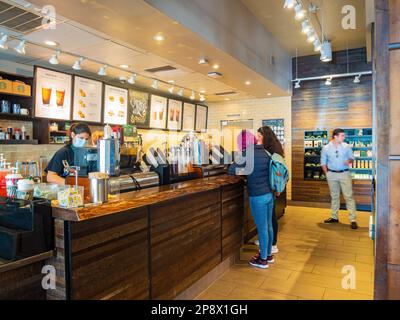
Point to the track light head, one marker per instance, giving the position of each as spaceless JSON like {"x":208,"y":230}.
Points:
{"x":78,"y":64}
{"x":54,"y":58}
{"x":305,"y":26}
{"x":102,"y":71}
{"x":289,"y":4}
{"x":357,"y":79}
{"x":311,"y":37}
{"x":297,"y":85}
{"x":132,"y":79}
{"x":300,"y":13}
{"x":20,"y":48}
{"x":202,"y":98}
{"x":328,"y":81}
{"x":171,"y":89}
{"x":3,"y":41}
{"x":193,"y":95}
{"x":154,"y":85}
{"x":181,"y":92}
{"x":317,"y":45}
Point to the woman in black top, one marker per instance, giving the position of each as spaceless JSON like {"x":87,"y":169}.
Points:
{"x":79,"y":135}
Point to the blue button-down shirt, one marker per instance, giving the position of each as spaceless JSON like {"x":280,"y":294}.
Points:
{"x":335,"y":157}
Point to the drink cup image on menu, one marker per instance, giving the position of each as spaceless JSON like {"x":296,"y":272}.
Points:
{"x":46,"y":95}
{"x":60,"y":97}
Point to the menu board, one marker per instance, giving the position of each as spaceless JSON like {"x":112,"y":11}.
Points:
{"x":189,"y":115}
{"x":201,"y":118}
{"x":175,"y":108}
{"x":87,"y":102}
{"x":139,"y":109}
{"x":158,"y":112}
{"x":52,"y":94}
{"x":115,"y":105}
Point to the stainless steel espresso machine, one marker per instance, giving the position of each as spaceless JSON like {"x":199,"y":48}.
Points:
{"x":118,"y":156}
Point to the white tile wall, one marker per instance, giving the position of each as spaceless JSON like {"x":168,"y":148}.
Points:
{"x":256,"y":110}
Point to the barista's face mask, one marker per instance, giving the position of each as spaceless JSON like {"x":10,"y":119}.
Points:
{"x":79,"y":143}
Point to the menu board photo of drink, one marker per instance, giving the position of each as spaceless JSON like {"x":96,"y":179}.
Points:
{"x":189,"y":116}
{"x":201,"y":118}
{"x":87,"y":102}
{"x":158,"y":112}
{"x":52,"y":94}
{"x":139,"y":109}
{"x":115,"y":105}
{"x":174,"y":115}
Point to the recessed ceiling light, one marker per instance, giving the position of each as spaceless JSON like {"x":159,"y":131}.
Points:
{"x":171,"y":81}
{"x":227,"y":99}
{"x":51,"y":43}
{"x":203,"y":91}
{"x":124,"y":66}
{"x":248,"y":83}
{"x":269,"y":93}
{"x":159,"y":37}
{"x":216,"y":66}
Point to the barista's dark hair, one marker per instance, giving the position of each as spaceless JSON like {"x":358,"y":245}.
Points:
{"x":79,"y":128}
{"x":336,"y":132}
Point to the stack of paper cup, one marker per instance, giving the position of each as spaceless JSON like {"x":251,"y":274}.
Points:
{"x":12,"y":184}
{"x":25,"y":189}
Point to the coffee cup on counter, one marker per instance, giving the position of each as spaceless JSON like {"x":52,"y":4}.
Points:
{"x":12,"y":184}
{"x":25,"y":189}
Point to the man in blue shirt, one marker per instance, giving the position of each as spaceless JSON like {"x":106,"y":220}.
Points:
{"x":336,"y":160}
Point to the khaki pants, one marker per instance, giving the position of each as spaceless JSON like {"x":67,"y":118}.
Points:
{"x":337,"y":182}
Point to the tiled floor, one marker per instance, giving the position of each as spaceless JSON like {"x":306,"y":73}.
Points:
{"x":309,"y":265}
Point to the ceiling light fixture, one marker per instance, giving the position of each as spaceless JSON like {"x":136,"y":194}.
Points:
{"x":3,"y":41}
{"x":159,"y":37}
{"x":193,"y":95}
{"x":171,"y":90}
{"x":54,"y":58}
{"x":311,"y":37}
{"x":289,"y":4}
{"x":328,"y":81}
{"x":20,"y":48}
{"x":103,"y":71}
{"x":357,"y":79}
{"x":317,"y":45}
{"x":269,"y":94}
{"x":51,"y":43}
{"x":300,"y":13}
{"x":203,"y":62}
{"x":326,"y":51}
{"x":202,"y":98}
{"x":132,"y":79}
{"x":297,"y":85}
{"x":154,"y":85}
{"x":305,"y":26}
{"x":181,"y":92}
{"x":124,"y":66}
{"x":78,"y":64}
{"x":216,"y":66}
{"x":171,"y":81}
{"x":248,"y":83}
{"x":203,"y":91}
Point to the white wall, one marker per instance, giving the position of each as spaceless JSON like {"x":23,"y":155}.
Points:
{"x":256,"y":110}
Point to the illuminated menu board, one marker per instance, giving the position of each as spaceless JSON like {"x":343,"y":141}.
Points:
{"x":189,"y":116}
{"x":201,"y":118}
{"x":158,"y":112}
{"x":53,"y":92}
{"x":87,"y":102}
{"x":175,"y":109}
{"x":115,"y":105}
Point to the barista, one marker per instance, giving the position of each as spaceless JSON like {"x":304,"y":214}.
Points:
{"x":79,"y":135}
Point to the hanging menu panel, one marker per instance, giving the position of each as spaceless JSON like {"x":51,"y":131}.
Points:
{"x":115,"y":105}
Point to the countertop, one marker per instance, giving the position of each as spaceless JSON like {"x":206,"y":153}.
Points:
{"x":146,"y":197}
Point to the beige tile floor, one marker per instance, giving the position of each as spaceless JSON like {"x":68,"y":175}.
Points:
{"x":309,"y":264}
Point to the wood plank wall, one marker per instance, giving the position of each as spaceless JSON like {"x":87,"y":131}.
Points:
{"x":317,"y":106}
{"x":387,"y":67}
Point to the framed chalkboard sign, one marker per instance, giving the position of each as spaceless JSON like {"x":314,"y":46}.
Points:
{"x":139,"y":109}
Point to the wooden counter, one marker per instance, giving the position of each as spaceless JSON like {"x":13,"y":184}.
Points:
{"x":151,"y":244}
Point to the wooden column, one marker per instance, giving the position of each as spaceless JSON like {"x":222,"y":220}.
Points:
{"x":387,"y":100}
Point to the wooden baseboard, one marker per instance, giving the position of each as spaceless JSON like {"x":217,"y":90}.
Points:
{"x":201,"y":285}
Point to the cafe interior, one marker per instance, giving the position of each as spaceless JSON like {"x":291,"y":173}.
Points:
{"x":146,"y":209}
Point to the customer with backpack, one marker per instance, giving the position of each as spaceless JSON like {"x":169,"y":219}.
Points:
{"x":264,"y":175}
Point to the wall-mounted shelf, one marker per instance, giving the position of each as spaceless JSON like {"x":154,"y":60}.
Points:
{"x":314,"y":141}
{"x":13,"y":116}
